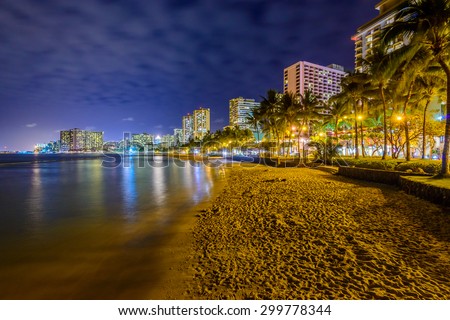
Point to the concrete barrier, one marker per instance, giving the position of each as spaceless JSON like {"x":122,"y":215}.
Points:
{"x":374,"y":175}
{"x":435,"y":194}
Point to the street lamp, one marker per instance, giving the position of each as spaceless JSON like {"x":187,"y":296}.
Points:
{"x":360,"y":118}
{"x":442,"y":117}
{"x":303,"y":149}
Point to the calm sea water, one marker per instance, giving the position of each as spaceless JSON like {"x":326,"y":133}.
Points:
{"x":80,"y":230}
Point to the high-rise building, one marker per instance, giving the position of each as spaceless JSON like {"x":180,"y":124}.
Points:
{"x":368,"y":35}
{"x":142,"y":139}
{"x":201,"y":123}
{"x":188,"y":128}
{"x":323,"y":82}
{"x":167,"y":141}
{"x":81,"y":140}
{"x":94,"y":140}
{"x":240,"y":110}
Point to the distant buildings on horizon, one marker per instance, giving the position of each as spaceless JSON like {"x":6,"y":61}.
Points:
{"x":81,"y":140}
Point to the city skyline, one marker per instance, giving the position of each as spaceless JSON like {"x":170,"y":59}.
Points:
{"x":129,"y":66}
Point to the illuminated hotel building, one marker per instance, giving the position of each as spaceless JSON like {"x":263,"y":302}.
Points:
{"x":167,"y":141}
{"x":188,"y":128}
{"x":368,"y":35}
{"x":240,"y":109}
{"x":81,"y":140}
{"x":201,"y":123}
{"x":142,"y":139}
{"x":323,"y":82}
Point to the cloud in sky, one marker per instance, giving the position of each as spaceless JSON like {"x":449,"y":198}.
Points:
{"x":31,"y":125}
{"x":159,"y":60}
{"x":128,"y":119}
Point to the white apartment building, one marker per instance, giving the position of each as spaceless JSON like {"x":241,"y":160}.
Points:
{"x":323,"y":82}
{"x":201,"y":123}
{"x":240,"y":109}
{"x":368,"y":35}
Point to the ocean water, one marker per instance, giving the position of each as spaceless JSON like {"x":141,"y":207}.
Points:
{"x":88,"y":229}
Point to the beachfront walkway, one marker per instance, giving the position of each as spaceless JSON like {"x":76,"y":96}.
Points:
{"x":305,"y":234}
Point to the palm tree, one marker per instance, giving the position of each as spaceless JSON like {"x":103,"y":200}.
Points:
{"x":353,"y":87}
{"x":269,"y":115}
{"x":337,"y":111}
{"x":289,"y":111}
{"x":309,"y":107}
{"x":406,"y":76}
{"x":429,"y":86}
{"x":254,"y":120}
{"x":381,"y":67}
{"x":426,"y":25}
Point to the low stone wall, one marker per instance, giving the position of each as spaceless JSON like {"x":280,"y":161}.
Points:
{"x":382,"y":176}
{"x":422,"y":190}
{"x":425,"y":191}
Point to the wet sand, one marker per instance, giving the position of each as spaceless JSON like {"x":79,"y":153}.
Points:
{"x":305,"y":234}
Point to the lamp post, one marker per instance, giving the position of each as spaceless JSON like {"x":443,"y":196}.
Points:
{"x":363,"y":151}
{"x":304,"y":139}
{"x":292,"y":137}
{"x":303,"y":150}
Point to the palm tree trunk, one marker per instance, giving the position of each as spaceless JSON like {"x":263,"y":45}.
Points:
{"x":445,"y":168}
{"x":336,"y":130}
{"x":408,"y":139}
{"x":356,"y":132}
{"x":424,"y":128}
{"x":290,"y":141}
{"x":407,"y":142}
{"x":383,"y":98}
{"x":277,"y":145}
{"x":363,"y":152}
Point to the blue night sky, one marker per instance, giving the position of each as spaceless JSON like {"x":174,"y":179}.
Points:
{"x":139,"y":66}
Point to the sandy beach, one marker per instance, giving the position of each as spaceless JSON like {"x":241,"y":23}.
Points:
{"x":305,"y":234}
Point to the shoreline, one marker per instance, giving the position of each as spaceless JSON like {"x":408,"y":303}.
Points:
{"x":176,"y":256}
{"x":304,"y":234}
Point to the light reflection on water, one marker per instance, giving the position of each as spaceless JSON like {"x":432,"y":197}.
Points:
{"x":78,"y":230}
{"x":35,"y":205}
